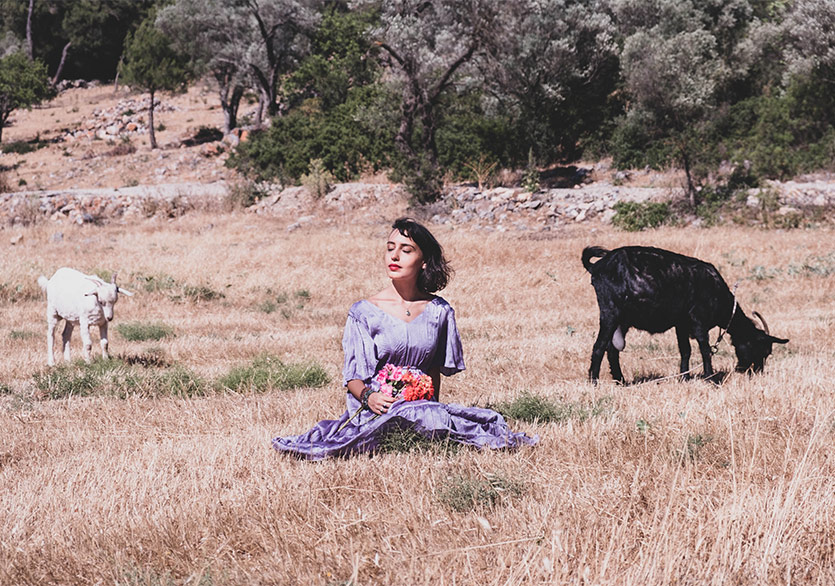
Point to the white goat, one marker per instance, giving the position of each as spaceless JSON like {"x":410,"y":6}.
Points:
{"x":80,"y":299}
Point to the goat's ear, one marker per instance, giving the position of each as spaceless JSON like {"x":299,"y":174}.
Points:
{"x":124,"y":291}
{"x":774,"y":340}
{"x":113,"y":278}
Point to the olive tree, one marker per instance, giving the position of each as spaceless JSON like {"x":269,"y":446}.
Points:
{"x":215,"y":34}
{"x":554,"y":65}
{"x":153,"y":65}
{"x":23,"y":83}
{"x":429,"y":50}
{"x":678,"y":61}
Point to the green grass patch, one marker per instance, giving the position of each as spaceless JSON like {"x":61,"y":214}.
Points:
{"x":23,"y":147}
{"x":267,"y":372}
{"x":197,"y":293}
{"x":22,"y":335}
{"x":117,"y":377}
{"x":399,"y":440}
{"x":462,"y":493}
{"x":536,"y":409}
{"x":141,"y":331}
{"x":155,"y":283}
{"x":5,"y":389}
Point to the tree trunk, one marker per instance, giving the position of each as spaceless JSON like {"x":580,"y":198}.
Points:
{"x":57,"y":77}
{"x":691,"y":189}
{"x":151,"y":122}
{"x":30,"y":45}
{"x":230,"y":100}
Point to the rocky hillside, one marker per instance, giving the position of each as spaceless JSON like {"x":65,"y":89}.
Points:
{"x":84,"y":158}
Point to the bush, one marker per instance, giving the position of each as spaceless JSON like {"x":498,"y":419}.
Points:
{"x":348,"y":139}
{"x":318,"y":180}
{"x":635,"y":216}
{"x":140,"y":332}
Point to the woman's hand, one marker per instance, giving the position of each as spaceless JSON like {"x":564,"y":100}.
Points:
{"x":379,"y":402}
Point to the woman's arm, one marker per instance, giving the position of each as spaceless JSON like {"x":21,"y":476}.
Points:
{"x":378,"y":402}
{"x":435,"y":373}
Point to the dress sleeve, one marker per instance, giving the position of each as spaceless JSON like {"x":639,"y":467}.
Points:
{"x":359,"y":349}
{"x":450,"y":350}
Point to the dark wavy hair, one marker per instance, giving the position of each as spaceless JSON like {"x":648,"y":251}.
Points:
{"x":437,"y":272}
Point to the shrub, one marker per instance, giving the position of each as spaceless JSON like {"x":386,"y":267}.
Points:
{"x":140,"y":332}
{"x":23,"y":147}
{"x":243,"y":194}
{"x":267,"y":372}
{"x":318,"y":180}
{"x":635,"y":216}
{"x":462,"y":493}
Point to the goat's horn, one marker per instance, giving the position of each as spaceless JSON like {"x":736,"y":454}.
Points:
{"x":113,"y":278}
{"x":762,"y":319}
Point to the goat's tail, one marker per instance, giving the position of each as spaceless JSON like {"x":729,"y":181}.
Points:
{"x":42,"y":281}
{"x":590,"y":252}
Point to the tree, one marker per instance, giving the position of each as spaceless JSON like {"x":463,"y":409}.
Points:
{"x":554,"y":66}
{"x":678,"y":62}
{"x":428,"y":49}
{"x":153,"y":65}
{"x":23,"y":83}
{"x":215,"y":34}
{"x":280,"y":38}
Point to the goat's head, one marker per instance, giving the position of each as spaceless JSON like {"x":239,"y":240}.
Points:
{"x":107,"y":294}
{"x":752,"y":350}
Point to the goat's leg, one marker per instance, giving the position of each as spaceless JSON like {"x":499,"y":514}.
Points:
{"x":66,"y":335}
{"x":704,"y":347}
{"x":601,"y":345}
{"x":683,"y":337}
{"x":613,"y":354}
{"x":87,"y":342}
{"x":51,"y":322}
{"x":103,"y":340}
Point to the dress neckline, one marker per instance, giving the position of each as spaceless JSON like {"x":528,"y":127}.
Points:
{"x":401,"y":320}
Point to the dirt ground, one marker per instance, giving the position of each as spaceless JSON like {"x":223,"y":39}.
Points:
{"x":94,"y":158}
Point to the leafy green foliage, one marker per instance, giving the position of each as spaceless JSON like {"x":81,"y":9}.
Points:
{"x":345,"y":138}
{"x":151,"y":63}
{"x":23,"y":83}
{"x":634,"y":216}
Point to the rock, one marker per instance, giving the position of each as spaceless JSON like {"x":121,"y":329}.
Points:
{"x":17,"y":239}
{"x":57,"y":237}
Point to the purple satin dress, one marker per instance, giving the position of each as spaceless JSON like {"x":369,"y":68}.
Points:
{"x":374,"y":338}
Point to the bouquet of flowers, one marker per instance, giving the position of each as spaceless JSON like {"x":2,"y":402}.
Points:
{"x":400,"y":382}
{"x":407,"y":383}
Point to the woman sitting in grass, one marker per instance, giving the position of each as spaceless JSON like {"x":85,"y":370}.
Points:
{"x":397,"y":345}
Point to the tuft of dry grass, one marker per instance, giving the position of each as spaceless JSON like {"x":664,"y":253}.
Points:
{"x":669,"y":482}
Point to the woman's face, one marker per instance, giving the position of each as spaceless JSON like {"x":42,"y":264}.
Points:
{"x":404,"y":260}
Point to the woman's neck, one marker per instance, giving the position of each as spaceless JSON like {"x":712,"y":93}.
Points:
{"x":407,"y":291}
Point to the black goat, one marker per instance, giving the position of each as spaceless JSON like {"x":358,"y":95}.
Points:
{"x":654,"y":290}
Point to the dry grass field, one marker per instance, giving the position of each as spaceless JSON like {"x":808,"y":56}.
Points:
{"x":156,"y":475}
